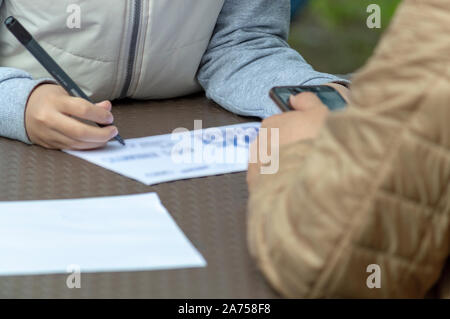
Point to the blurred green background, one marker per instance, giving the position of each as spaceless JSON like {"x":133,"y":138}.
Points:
{"x":332,"y":35}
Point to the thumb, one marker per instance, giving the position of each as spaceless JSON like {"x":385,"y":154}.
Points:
{"x":107,"y":105}
{"x":305,"y":101}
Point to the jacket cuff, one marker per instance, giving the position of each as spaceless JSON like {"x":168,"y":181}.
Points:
{"x":12,"y":119}
{"x":320,"y":80}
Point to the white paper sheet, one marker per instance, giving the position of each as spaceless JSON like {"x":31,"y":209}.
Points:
{"x":182,"y":155}
{"x":124,"y":233}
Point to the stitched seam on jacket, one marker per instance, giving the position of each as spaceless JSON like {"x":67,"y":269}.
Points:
{"x":78,"y":55}
{"x":146,"y":32}
{"x":433,"y":214}
{"x":174,"y":50}
{"x":400,"y":259}
{"x":407,"y":201}
{"x":438,"y":148}
{"x":441,"y":202}
{"x":415,"y":260}
{"x":117,"y":80}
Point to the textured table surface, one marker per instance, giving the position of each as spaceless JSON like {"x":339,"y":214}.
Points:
{"x":211,"y":211}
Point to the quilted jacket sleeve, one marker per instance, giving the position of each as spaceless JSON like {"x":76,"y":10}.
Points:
{"x":374,"y":189}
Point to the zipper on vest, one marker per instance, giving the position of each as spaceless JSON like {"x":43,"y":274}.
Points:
{"x":136,"y":20}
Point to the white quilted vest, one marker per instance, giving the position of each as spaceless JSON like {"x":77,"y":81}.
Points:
{"x":145,"y":49}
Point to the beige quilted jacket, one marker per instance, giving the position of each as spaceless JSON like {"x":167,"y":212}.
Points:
{"x":374,"y":189}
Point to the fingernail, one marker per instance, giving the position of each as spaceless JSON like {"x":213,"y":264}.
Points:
{"x":110,"y":118}
{"x":115,"y":131}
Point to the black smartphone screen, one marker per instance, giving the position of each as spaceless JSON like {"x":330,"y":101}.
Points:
{"x":328,"y":95}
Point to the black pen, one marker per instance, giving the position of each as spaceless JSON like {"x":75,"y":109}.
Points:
{"x":48,"y":63}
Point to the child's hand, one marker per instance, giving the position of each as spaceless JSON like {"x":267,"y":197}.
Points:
{"x":49,"y":120}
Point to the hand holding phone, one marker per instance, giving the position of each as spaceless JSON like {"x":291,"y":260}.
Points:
{"x":327,"y":94}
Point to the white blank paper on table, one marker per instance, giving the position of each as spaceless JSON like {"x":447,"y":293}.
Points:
{"x":109,"y":234}
{"x":181,"y":155}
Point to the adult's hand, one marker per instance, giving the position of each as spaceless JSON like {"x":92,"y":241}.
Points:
{"x":304,"y":123}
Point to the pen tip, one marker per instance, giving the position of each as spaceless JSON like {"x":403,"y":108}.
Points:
{"x":120,"y":140}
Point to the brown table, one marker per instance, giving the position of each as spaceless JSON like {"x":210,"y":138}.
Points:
{"x":211,"y":211}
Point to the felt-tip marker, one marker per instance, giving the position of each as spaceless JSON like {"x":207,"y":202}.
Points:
{"x":24,"y":37}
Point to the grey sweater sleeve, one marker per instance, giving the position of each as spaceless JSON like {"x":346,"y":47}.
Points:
{"x":15,"y":88}
{"x":248,"y":55}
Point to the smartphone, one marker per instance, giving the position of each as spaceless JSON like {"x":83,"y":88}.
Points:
{"x":328,"y":95}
